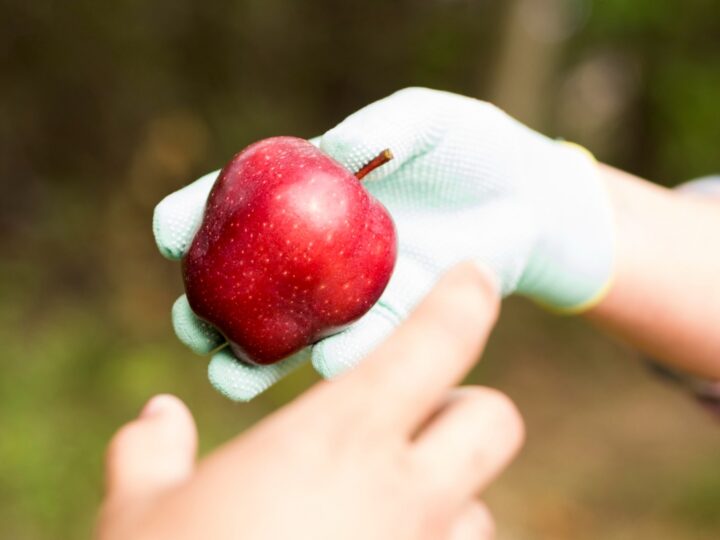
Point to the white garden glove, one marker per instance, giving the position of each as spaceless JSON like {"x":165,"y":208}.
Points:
{"x":467,"y":182}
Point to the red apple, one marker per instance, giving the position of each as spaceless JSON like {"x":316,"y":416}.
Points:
{"x":292,"y":248}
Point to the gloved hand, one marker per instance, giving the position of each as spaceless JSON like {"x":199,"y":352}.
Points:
{"x":467,"y":182}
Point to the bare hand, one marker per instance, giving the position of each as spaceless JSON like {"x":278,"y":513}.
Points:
{"x":388,"y":450}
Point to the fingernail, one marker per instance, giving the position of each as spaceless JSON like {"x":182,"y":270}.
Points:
{"x":156,"y":405}
{"x":489,"y":277}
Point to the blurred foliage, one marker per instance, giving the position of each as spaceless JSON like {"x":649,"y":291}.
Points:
{"x":108,"y":106}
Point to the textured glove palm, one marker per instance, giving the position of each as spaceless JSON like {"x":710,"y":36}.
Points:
{"x":467,"y":182}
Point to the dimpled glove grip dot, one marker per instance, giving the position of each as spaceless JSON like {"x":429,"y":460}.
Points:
{"x":467,"y":182}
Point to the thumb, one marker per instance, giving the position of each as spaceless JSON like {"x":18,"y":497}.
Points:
{"x":407,"y":122}
{"x":152,"y":453}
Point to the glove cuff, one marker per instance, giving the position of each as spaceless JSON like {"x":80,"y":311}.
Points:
{"x":572,"y":268}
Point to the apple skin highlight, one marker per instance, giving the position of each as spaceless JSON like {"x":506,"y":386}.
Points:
{"x":292,"y":248}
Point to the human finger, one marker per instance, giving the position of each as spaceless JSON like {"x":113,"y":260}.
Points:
{"x":407,"y":375}
{"x":468,"y":442}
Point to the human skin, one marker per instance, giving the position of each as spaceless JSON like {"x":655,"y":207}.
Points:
{"x":665,"y":297}
{"x":388,"y":450}
{"x":415,"y":456}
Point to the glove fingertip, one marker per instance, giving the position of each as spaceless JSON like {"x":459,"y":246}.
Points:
{"x":199,"y":336}
{"x":163,"y":225}
{"x":242,"y":382}
{"x":336,"y":354}
{"x":228,"y":377}
{"x":178,"y":216}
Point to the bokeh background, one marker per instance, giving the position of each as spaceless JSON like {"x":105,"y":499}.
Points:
{"x":105,"y":107}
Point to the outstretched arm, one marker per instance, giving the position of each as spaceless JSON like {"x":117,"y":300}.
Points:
{"x":665,"y":298}
{"x":470,"y":182}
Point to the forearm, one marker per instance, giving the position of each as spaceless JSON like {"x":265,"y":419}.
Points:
{"x":665,"y":298}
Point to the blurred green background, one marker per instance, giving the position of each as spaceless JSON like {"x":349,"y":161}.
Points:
{"x":105,"y":107}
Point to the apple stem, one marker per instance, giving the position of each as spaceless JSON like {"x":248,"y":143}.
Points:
{"x":381,"y":159}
